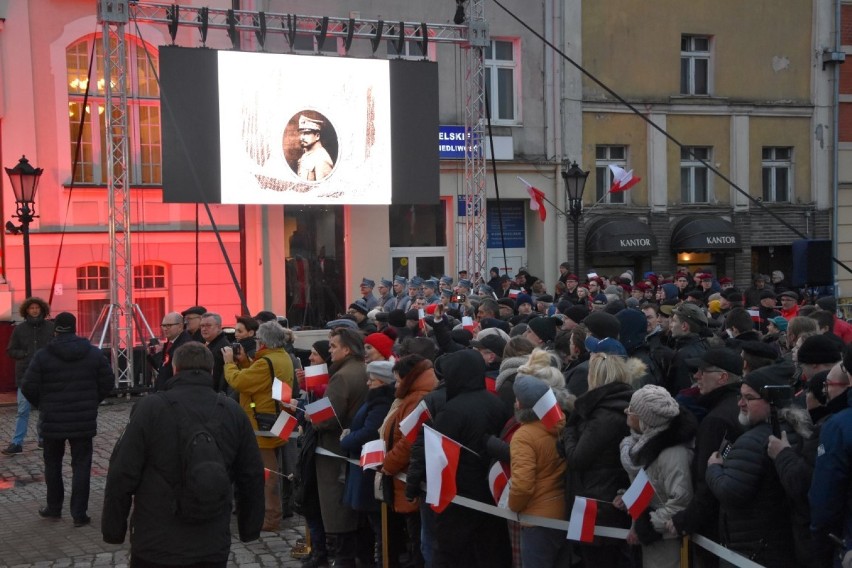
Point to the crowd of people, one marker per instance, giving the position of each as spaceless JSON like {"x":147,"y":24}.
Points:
{"x":733,"y":402}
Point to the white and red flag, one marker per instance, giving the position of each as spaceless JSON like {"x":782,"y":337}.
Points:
{"x":320,"y":411}
{"x":373,"y":454}
{"x":755,"y":315}
{"x":498,"y":482}
{"x":547,"y":409}
{"x":622,"y":180}
{"x":467,"y":323}
{"x":284,"y":425}
{"x":536,"y":199}
{"x":442,"y":461}
{"x":513,"y":294}
{"x":410,"y":425}
{"x":281,"y":391}
{"x":581,"y":525}
{"x":638,"y":496}
{"x":316,"y":375}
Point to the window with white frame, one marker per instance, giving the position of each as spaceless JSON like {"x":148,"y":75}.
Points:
{"x":144,"y":159}
{"x":777,"y":167}
{"x":606,"y":156}
{"x":694,"y":65}
{"x":694,"y":175}
{"x":502,"y":80}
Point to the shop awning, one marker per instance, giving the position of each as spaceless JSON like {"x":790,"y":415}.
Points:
{"x":621,"y":235}
{"x":705,"y":234}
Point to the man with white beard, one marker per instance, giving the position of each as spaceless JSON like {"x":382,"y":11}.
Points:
{"x":755,"y":514}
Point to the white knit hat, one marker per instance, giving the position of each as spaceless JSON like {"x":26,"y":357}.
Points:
{"x":654,"y":406}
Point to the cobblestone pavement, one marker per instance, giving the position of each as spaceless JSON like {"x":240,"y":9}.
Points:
{"x":27,"y":540}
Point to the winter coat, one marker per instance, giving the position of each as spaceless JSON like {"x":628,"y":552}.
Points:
{"x":589,"y":444}
{"x":145,"y":467}
{"x":164,"y":364}
{"x":358,"y":491}
{"x":347,"y":389}
{"x":538,"y":472}
{"x":66,"y":381}
{"x":215,"y":347}
{"x":420,"y":381}
{"x":254,"y":383}
{"x":719,"y":423}
{"x":755,"y":514}
{"x":469,"y":417}
{"x":679,"y":377}
{"x":28,"y":337}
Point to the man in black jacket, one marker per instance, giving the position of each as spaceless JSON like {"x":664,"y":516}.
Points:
{"x":687,"y":323}
{"x":175,"y":337}
{"x":215,"y":339}
{"x":66,"y":381}
{"x":145,"y":468}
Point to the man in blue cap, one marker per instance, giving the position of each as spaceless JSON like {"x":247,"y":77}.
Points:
{"x":385,"y":295}
{"x":398,"y":293}
{"x":370,"y":300}
{"x":430,"y":287}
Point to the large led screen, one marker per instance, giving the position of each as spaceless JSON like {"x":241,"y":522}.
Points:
{"x":258,"y":128}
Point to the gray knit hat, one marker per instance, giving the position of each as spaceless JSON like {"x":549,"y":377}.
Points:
{"x":654,"y":405}
{"x":382,"y":370}
{"x":528,"y":390}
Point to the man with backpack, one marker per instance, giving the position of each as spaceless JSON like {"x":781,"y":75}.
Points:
{"x":176,"y":462}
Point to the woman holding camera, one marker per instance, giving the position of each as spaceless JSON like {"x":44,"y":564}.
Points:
{"x":253,"y":380}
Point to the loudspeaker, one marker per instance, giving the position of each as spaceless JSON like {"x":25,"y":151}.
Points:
{"x":812,"y":263}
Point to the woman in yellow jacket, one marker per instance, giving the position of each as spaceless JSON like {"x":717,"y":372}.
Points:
{"x":253,"y":380}
{"x":538,"y":478}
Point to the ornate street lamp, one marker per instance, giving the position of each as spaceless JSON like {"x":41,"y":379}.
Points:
{"x":24,"y":180}
{"x":575,"y":183}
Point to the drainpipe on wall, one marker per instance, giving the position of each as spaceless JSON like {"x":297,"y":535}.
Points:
{"x":835,"y":173}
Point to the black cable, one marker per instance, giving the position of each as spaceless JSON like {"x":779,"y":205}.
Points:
{"x":660,"y":129}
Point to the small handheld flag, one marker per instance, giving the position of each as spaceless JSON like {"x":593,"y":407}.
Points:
{"x":410,"y":425}
{"x":373,"y":454}
{"x":316,"y":375}
{"x":547,"y":409}
{"x":498,"y":482}
{"x":442,"y":460}
{"x":581,"y":525}
{"x":284,"y":425}
{"x":281,"y":390}
{"x":320,"y":411}
{"x":638,"y":496}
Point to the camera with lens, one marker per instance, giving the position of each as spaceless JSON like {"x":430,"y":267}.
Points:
{"x":459,"y":298}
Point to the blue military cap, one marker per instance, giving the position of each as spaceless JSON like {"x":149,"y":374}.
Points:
{"x":368,"y":283}
{"x":485,"y":289}
{"x":415,"y":282}
{"x":400,"y":280}
{"x":465,"y":283}
{"x":430,"y":284}
{"x":446,"y":279}
{"x":342,"y":322}
{"x":446,"y":292}
{"x":385,"y":282}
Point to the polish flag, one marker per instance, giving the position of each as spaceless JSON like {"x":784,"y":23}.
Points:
{"x":284,"y":425}
{"x":638,"y":496}
{"x":547,"y":409}
{"x":755,"y":315}
{"x":421,"y":319}
{"x":498,"y":481}
{"x":410,"y":425}
{"x":442,"y":460}
{"x":320,"y":411}
{"x":316,"y":375}
{"x":581,"y":525}
{"x":622,"y":180}
{"x":281,"y":391}
{"x":373,"y":454}
{"x":467,"y":323}
{"x":514,"y":293}
{"x":536,"y":199}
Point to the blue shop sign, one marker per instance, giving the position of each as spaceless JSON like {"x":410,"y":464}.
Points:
{"x":451,"y":142}
{"x":513,"y":214}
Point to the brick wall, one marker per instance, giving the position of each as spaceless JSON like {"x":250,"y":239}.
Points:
{"x":844,"y":129}
{"x":846,"y":23}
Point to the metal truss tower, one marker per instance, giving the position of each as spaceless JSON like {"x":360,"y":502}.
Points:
{"x":114,"y":14}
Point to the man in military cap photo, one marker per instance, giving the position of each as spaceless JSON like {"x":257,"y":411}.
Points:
{"x":315,"y":164}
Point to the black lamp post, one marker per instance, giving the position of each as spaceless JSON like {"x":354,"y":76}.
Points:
{"x":24,"y":180}
{"x":575,"y":183}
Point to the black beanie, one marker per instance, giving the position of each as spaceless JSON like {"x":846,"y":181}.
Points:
{"x":544,"y":327}
{"x":396,"y":318}
{"x":602,"y":325}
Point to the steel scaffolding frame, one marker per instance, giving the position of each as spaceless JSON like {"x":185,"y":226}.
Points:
{"x":113,"y":15}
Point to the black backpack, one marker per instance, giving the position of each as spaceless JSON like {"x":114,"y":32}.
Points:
{"x":203,"y":492}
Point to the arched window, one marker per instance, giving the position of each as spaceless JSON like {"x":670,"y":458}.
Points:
{"x":144,"y":157}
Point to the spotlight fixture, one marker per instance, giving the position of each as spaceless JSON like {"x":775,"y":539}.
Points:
{"x":204,"y":20}
{"x":350,"y":33}
{"x":259,"y":22}
{"x":12,"y":228}
{"x":376,"y":40}
{"x":459,"y":17}
{"x":322,"y":28}
{"x":173,"y":16}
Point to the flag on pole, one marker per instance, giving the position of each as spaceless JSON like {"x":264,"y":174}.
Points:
{"x":284,"y":425}
{"x":373,"y":454}
{"x":622,"y":180}
{"x":755,"y":315}
{"x":498,"y":481}
{"x":320,"y":411}
{"x":547,"y":409}
{"x":581,"y":525}
{"x":281,"y":391}
{"x":316,"y":375}
{"x":410,"y":425}
{"x":442,"y":460}
{"x":638,"y":496}
{"x":536,"y":199}
{"x":513,"y":294}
